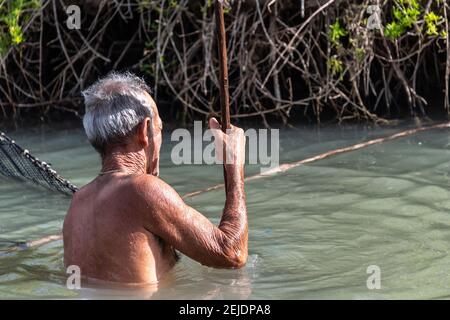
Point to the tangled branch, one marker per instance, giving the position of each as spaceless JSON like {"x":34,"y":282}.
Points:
{"x":323,"y":64}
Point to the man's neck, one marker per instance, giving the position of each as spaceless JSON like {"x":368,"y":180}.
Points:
{"x":125,"y":161}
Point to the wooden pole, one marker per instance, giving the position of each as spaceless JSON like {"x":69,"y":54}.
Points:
{"x":223,"y":59}
{"x":223,"y":78}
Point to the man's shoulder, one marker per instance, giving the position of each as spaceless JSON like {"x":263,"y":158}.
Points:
{"x":154,"y":197}
{"x":82,"y":193}
{"x":148,"y":182}
{"x":152,"y":188}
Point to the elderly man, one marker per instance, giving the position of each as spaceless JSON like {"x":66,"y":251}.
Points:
{"x":126,"y":225}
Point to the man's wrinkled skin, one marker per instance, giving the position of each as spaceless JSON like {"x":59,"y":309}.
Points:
{"x":124,"y":227}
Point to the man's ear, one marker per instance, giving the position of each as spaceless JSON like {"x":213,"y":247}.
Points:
{"x":143,"y":132}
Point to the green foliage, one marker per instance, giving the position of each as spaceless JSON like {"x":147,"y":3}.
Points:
{"x":406,"y":13}
{"x":173,"y":4}
{"x":394,"y":30}
{"x":432,"y":21}
{"x":336,"y":65}
{"x":360,"y":54}
{"x":12,"y":18}
{"x":336,"y":32}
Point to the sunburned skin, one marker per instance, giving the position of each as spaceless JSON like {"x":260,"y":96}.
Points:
{"x":126,"y":225}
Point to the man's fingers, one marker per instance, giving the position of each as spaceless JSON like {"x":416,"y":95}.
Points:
{"x":216,"y":128}
{"x":225,"y":3}
{"x":214,"y":124}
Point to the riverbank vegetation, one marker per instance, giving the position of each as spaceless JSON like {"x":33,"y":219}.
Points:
{"x":329,"y":60}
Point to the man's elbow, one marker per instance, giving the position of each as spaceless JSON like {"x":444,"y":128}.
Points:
{"x":233,"y":251}
{"x":236,"y":260}
{"x":239,"y":263}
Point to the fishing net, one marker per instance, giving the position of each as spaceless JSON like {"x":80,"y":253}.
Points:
{"x":18,"y":163}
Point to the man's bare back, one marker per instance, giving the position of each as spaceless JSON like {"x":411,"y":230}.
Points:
{"x":125,"y":226}
{"x":106,"y":235}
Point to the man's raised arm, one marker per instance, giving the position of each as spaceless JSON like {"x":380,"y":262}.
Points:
{"x":167,"y":216}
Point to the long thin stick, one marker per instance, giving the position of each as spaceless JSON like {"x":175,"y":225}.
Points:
{"x":283,"y":168}
{"x":224,"y":87}
{"x":223,"y":59}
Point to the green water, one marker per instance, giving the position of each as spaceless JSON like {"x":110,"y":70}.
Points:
{"x":314,"y":230}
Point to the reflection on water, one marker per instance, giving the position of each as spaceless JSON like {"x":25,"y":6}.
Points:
{"x":314,"y":230}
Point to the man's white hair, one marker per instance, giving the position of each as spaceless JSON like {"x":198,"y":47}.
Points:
{"x":115,"y":106}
